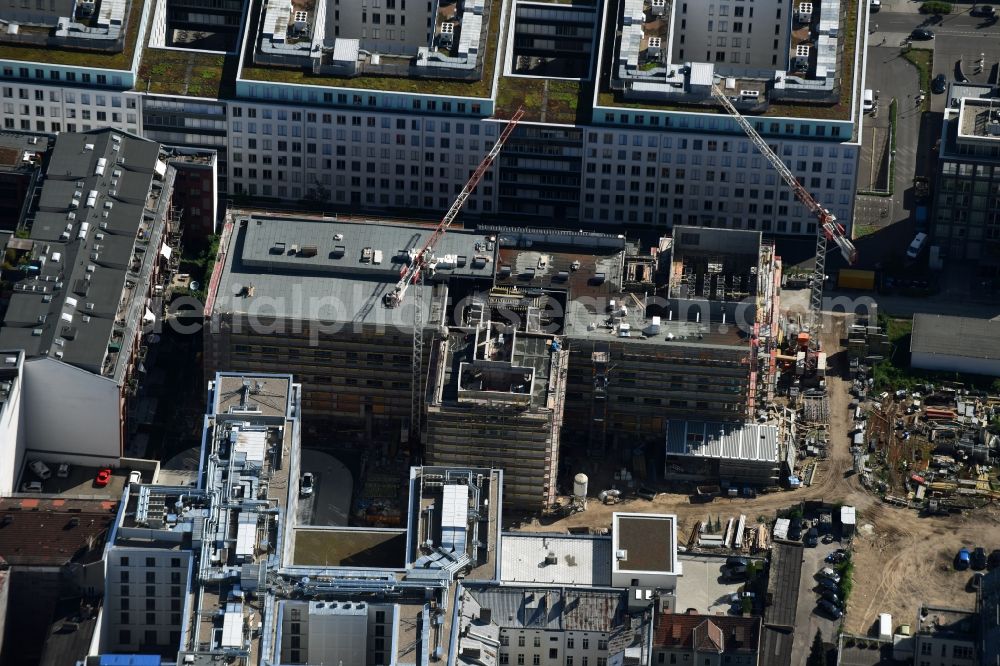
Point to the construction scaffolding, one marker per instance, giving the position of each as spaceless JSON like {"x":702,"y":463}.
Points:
{"x":600,"y":358}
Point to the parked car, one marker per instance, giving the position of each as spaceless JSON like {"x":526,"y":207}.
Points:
{"x":830,"y":609}
{"x":922,"y":34}
{"x":40,"y":469}
{"x":828,"y":538}
{"x":835,"y":558}
{"x":976,"y":581}
{"x":874,"y":5}
{"x":828,"y":584}
{"x":306,"y":484}
{"x":62,"y":471}
{"x":830,"y":596}
{"x":31,"y":487}
{"x":983,"y":11}
{"x":978,"y":559}
{"x":962,"y":560}
{"x":795,"y":529}
{"x":737,"y":561}
{"x":939,"y":84}
{"x":827,"y":572}
{"x":993,"y":561}
{"x":103,"y":477}
{"x":735,"y":573}
{"x":812,"y":538}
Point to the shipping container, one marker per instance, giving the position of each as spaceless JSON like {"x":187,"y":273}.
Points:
{"x":850,"y":278}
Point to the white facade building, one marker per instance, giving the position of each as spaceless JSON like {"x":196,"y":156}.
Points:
{"x":733,"y":32}
{"x":12,"y":430}
{"x":407,"y":144}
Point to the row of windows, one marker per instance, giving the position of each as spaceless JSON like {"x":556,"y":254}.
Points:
{"x":536,"y":659}
{"x":68,"y":96}
{"x":150,"y":591}
{"x":55,"y":75}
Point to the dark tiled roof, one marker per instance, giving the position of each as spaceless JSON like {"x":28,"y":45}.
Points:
{"x":709,"y":633}
{"x":43,"y":532}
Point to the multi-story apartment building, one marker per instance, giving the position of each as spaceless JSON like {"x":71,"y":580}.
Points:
{"x":350,"y":108}
{"x":550,"y":626}
{"x":966,"y":218}
{"x":706,"y":640}
{"x":98,"y":248}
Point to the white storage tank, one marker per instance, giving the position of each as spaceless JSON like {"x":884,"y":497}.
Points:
{"x":580,"y":482}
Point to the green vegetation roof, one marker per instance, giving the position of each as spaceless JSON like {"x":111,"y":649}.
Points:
{"x":78,"y":58}
{"x":544,"y":100}
{"x":186,"y":73}
{"x":839,"y":111}
{"x":427,"y":86}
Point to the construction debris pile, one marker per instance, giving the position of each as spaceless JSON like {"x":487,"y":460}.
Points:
{"x":732,"y":535}
{"x":936,"y":449}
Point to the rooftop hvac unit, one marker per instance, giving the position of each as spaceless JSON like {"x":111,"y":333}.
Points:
{"x":804,"y":15}
{"x":447,"y":36}
{"x":749,"y":94}
{"x":653,"y":47}
{"x":301,"y":21}
{"x":659,"y":7}
{"x":802,"y":51}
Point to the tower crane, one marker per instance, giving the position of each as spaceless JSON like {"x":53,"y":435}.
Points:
{"x":827,"y":227}
{"x":410,"y":273}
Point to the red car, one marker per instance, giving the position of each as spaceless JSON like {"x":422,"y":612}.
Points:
{"x":103,"y":477}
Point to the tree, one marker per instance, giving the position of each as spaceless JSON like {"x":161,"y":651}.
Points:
{"x":817,"y":653}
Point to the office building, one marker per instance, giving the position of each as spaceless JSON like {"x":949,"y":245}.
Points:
{"x":683,"y":330}
{"x":307,"y":296}
{"x":170,"y":586}
{"x":524,"y":333}
{"x":966,"y":216}
{"x":386,"y":110}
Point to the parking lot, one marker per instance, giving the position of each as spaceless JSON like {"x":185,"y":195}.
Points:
{"x":702,"y":586}
{"x":808,"y":617}
{"x":78,"y":483}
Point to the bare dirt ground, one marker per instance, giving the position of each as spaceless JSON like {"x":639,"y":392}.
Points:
{"x":900,"y":558}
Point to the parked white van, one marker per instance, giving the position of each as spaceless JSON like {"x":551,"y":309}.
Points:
{"x":917,"y":246}
{"x":869,"y":100}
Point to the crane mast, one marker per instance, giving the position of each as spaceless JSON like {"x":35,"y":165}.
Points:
{"x":410,"y":273}
{"x":827,"y":227}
